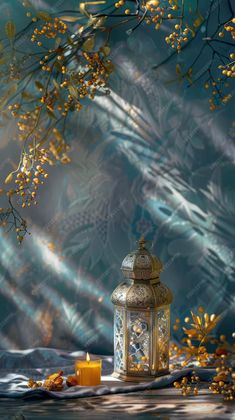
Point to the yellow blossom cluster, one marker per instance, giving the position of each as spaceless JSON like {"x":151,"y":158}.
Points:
{"x":228,"y":70}
{"x":188,"y":385}
{"x":156,"y":12}
{"x":177,"y":38}
{"x":230,"y":27}
{"x":31,"y":175}
{"x":218,"y":95}
{"x":224,"y":380}
{"x":49,"y":29}
{"x":120,"y":3}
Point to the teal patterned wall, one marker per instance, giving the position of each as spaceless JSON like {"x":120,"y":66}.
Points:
{"x":150,"y":159}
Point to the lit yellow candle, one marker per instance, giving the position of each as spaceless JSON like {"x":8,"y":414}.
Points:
{"x":88,"y":371}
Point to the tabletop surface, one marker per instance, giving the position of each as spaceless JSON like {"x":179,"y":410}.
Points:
{"x":164,"y":404}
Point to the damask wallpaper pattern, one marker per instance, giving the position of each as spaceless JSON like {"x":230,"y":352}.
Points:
{"x":150,"y":159}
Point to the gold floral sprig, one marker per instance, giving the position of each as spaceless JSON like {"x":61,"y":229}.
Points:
{"x":202,"y":348}
{"x":188,"y":385}
{"x":224,"y":381}
{"x":197,"y":333}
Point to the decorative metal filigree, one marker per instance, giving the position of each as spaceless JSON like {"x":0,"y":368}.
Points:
{"x":163,"y":295}
{"x":138,"y":342}
{"x":119,"y":339}
{"x":119,"y":294}
{"x":163,"y":320}
{"x":140,"y":295}
{"x":141,"y":264}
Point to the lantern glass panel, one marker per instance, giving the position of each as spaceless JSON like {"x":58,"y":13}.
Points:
{"x":119,"y":339}
{"x":163,"y":329}
{"x":138,"y":342}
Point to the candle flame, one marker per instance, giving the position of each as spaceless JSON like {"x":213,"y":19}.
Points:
{"x":88,"y":357}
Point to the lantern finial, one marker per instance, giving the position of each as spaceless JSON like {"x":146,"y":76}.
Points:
{"x":142,"y":243}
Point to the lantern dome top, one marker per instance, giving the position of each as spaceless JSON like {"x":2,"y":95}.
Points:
{"x":141,"y":264}
{"x":141,"y":295}
{"x":144,"y":288}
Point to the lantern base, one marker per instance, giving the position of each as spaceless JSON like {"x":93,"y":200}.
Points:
{"x":134,"y":378}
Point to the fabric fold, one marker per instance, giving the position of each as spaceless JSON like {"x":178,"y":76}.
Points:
{"x":16,"y":367}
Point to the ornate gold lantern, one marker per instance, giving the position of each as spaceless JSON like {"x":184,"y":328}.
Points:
{"x":141,"y":319}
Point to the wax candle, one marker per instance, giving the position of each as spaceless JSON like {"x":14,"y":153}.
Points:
{"x":88,"y":371}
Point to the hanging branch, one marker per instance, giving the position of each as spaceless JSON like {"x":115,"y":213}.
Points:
{"x":65,"y":61}
{"x":219,"y":67}
{"x":42,"y":89}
